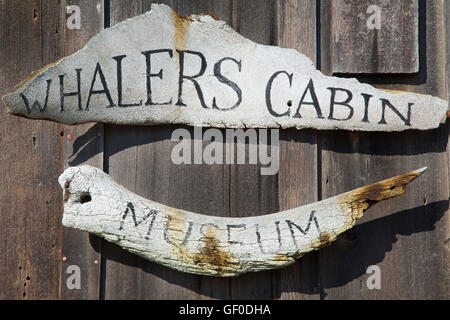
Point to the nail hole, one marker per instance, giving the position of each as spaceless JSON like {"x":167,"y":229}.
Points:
{"x":35,"y":14}
{"x":289,"y":103}
{"x":85,"y":197}
{"x":28,"y":278}
{"x":34,"y":141}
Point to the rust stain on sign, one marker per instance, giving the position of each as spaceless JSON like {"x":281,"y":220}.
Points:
{"x":66,"y":190}
{"x":220,"y":246}
{"x":230,"y":82}
{"x":324,"y":239}
{"x":358,"y":200}
{"x":212,"y":254}
{"x":181,"y":29}
{"x":177,"y":228}
{"x":283,"y":258}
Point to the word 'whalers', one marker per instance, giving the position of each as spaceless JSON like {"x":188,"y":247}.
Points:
{"x":213,"y":76}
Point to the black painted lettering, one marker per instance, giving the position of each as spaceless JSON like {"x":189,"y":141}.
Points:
{"x":366,"y":106}
{"x":291,"y":226}
{"x":345,"y":103}
{"x":258,"y":236}
{"x":386,"y":103}
{"x":105,"y":90}
{"x":234,"y":226}
{"x":130,"y":208}
{"x":182,"y":77}
{"x":314,"y":102}
{"x":268,"y":93}
{"x":77,"y":93}
{"x":119,"y":84}
{"x":150,"y":226}
{"x":277,"y":226}
{"x":159,"y":75}
{"x":231,"y":84}
{"x":36,"y":103}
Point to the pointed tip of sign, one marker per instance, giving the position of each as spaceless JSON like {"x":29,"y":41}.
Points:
{"x":421,"y":170}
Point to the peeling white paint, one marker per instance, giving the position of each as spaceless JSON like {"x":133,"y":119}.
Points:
{"x":210,"y":245}
{"x":239,"y":83}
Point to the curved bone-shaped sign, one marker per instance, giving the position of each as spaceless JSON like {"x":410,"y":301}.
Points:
{"x":209,"y":245}
{"x":160,"y":68}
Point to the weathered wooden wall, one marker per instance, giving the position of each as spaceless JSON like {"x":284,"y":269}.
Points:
{"x":406,"y":237}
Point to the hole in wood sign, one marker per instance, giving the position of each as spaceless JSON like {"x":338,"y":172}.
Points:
{"x":210,"y":245}
{"x":161,"y":68}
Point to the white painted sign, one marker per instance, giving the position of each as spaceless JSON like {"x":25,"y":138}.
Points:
{"x":161,"y":68}
{"x":209,"y":245}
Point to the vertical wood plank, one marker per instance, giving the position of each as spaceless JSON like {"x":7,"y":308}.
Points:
{"x":374,"y":36}
{"x":298,"y":184}
{"x":447,"y":41}
{"x":121,"y":276}
{"x":252,"y":193}
{"x":83,"y":144}
{"x":211,"y":182}
{"x":30,"y":214}
{"x":139,"y":158}
{"x":297,"y":26}
{"x":404,"y":237}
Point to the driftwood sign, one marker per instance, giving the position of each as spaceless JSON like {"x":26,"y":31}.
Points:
{"x":161,"y":68}
{"x":210,"y":245}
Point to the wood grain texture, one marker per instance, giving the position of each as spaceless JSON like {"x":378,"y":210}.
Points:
{"x":210,"y":182}
{"x":31,"y":159}
{"x":297,"y":177}
{"x":83,"y":144}
{"x":250,"y":192}
{"x":121,"y":276}
{"x":404,"y":237}
{"x":393,"y":48}
{"x":145,"y":154}
{"x":447,"y":41}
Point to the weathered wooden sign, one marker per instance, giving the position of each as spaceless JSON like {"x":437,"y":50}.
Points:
{"x":210,"y":245}
{"x":161,"y":68}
